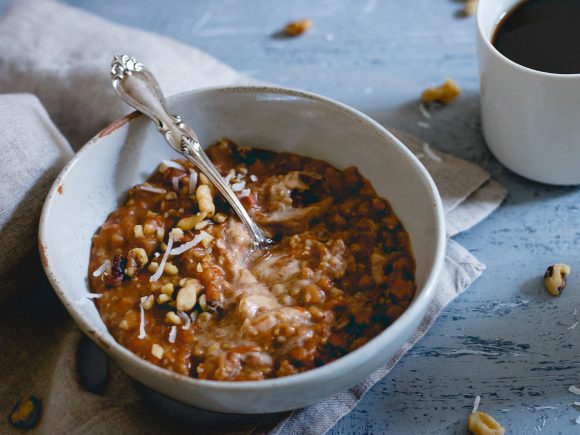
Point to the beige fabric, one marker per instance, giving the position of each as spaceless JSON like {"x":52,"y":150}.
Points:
{"x":61,"y":55}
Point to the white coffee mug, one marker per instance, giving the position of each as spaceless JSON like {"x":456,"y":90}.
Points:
{"x":530,"y":119}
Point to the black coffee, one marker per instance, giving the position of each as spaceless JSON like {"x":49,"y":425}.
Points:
{"x":543,"y":35}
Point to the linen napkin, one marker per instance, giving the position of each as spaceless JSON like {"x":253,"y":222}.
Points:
{"x":60,"y":55}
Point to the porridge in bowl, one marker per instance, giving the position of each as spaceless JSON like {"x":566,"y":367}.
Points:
{"x":177,"y":284}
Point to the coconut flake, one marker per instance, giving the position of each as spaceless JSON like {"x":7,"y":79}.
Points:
{"x":424,"y":111}
{"x":430,"y":153}
{"x":244,"y":193}
{"x":183,"y":316}
{"x":102,"y":268}
{"x":188,"y":245}
{"x":577,"y":404}
{"x":172,"y":334}
{"x":476,"y":404}
{"x":142,"y":333}
{"x":577,"y":420}
{"x":423,"y":124}
{"x":175,"y":182}
{"x":157,"y":254}
{"x":172,"y":164}
{"x":192,"y":181}
{"x":159,"y":270}
{"x":573,"y":325}
{"x":153,"y":189}
{"x":573,"y":389}
{"x":94,"y":295}
{"x":542,"y":408}
{"x":253,"y":178}
{"x":236,"y":187}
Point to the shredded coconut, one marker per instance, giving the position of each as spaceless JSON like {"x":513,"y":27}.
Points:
{"x":573,"y":325}
{"x":576,"y":404}
{"x":151,"y":188}
{"x":159,"y":271}
{"x":541,"y":408}
{"x":236,"y":187}
{"x":575,"y":390}
{"x":172,"y":164}
{"x":423,"y":124}
{"x":188,"y":245}
{"x":175,"y":182}
{"x":172,"y":334}
{"x":142,"y":333}
{"x":102,"y":268}
{"x":157,"y":254}
{"x":192,"y":181}
{"x":253,"y":178}
{"x":476,"y":404}
{"x":577,"y":420}
{"x":183,"y":316}
{"x":430,"y":153}
{"x":424,"y":111}
{"x":94,"y":295}
{"x":244,"y":193}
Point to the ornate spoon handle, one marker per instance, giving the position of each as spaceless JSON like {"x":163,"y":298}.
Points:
{"x":137,"y":87}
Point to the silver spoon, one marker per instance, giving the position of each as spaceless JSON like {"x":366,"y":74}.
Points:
{"x":137,"y":86}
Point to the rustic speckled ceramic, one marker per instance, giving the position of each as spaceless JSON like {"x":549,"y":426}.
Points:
{"x":128,"y":151}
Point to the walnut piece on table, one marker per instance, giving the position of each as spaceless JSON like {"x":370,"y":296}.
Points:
{"x":555,"y":278}
{"x":298,"y":27}
{"x":444,"y":94}
{"x":481,"y":423}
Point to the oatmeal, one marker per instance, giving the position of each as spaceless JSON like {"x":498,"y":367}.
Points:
{"x":181,"y":288}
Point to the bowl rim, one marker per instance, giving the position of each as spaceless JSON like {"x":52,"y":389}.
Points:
{"x":118,"y":352}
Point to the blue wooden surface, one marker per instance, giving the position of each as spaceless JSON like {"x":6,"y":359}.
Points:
{"x":505,"y":339}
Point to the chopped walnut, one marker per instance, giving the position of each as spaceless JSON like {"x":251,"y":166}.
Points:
{"x":555,"y":278}
{"x":138,"y":231}
{"x":172,"y":318}
{"x":170,"y":269}
{"x":481,"y":423}
{"x":148,"y":303}
{"x":176,"y":234}
{"x":298,"y":27}
{"x":187,"y":295}
{"x":445,"y":93}
{"x":136,"y":258}
{"x":167,"y":289}
{"x":157,"y":351}
{"x":188,"y":223}
{"x":205,"y":200}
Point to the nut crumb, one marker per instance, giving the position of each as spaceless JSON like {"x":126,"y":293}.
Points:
{"x":298,"y":27}
{"x":444,"y":94}
{"x":148,"y":302}
{"x":138,"y":231}
{"x":555,"y":278}
{"x":481,"y":423}
{"x":157,"y":351}
{"x":172,"y":318}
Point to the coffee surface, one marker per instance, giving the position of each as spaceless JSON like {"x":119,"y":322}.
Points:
{"x":543,"y":35}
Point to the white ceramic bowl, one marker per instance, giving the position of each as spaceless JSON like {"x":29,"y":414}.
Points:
{"x":125,"y":153}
